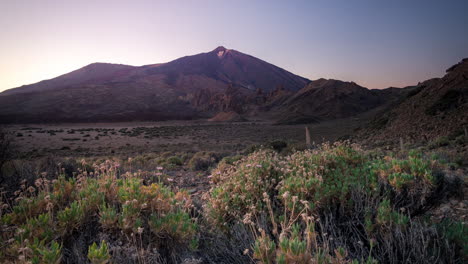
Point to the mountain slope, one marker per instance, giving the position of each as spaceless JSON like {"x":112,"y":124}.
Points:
{"x":434,"y":108}
{"x":93,"y":73}
{"x":331,"y":99}
{"x":231,"y":66}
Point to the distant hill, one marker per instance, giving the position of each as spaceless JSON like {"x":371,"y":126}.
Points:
{"x":92,"y":74}
{"x":199,"y":86}
{"x":434,"y":108}
{"x":331,"y":99}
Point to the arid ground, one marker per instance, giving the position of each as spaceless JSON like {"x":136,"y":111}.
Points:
{"x":101,"y":139}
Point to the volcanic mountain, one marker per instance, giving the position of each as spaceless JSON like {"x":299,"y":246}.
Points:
{"x":198,"y":86}
{"x":111,"y":92}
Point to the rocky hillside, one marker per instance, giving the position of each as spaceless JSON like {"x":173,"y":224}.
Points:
{"x":434,"y":108}
{"x":331,"y":99}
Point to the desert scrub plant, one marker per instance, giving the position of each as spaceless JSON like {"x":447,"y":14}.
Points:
{"x":71,"y":217}
{"x":175,"y":161}
{"x":333,"y":202}
{"x":46,"y":254}
{"x":63,"y":190}
{"x":177,"y":225}
{"x":99,"y":254}
{"x":203,"y":160}
{"x":108,"y":216}
{"x":39,"y":227}
{"x":121,"y":204}
{"x":230,"y":160}
{"x":386,"y":216}
{"x":239,"y":189}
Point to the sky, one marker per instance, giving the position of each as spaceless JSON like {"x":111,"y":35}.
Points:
{"x":374,"y":43}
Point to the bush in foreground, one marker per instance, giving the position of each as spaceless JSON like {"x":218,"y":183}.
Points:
{"x":49,"y":216}
{"x":334,"y":204}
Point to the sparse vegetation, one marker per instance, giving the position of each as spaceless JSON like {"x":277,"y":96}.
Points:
{"x":332,"y":205}
{"x":276,"y":203}
{"x":49,"y":213}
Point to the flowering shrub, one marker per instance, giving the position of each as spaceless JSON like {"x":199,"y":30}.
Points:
{"x":45,"y":215}
{"x":239,"y":189}
{"x":292,"y":202}
{"x":333,"y":204}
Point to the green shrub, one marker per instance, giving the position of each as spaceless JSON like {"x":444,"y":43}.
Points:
{"x":175,"y":160}
{"x":108,"y":216}
{"x":99,"y":254}
{"x":203,"y":160}
{"x":455,"y":232}
{"x":71,"y":217}
{"x":338,"y":188}
{"x":230,"y":160}
{"x":122,"y":205}
{"x":43,"y":254}
{"x":177,"y":225}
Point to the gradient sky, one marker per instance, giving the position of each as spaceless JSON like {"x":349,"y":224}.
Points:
{"x":374,"y":43}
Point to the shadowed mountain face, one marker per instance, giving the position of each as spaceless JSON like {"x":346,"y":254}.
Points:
{"x":330,"y":99}
{"x":198,"y":86}
{"x":434,"y":108}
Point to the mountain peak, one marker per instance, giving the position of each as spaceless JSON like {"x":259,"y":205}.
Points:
{"x":220,"y":51}
{"x":219,"y":48}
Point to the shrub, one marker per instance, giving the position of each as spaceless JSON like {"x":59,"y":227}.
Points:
{"x":230,"y":160}
{"x":99,"y":254}
{"x":439,"y":142}
{"x":122,"y":205}
{"x":175,"y":160}
{"x":203,"y":160}
{"x":457,"y":233}
{"x":43,"y":254}
{"x":177,"y":225}
{"x":108,"y":216}
{"x":334,"y":204}
{"x":71,"y":217}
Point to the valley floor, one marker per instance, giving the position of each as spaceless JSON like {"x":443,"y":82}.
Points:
{"x":101,"y":139}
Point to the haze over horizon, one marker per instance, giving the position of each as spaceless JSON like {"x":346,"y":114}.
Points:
{"x":375,"y":44}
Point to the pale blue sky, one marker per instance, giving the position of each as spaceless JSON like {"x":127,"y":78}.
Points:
{"x":374,"y":43}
